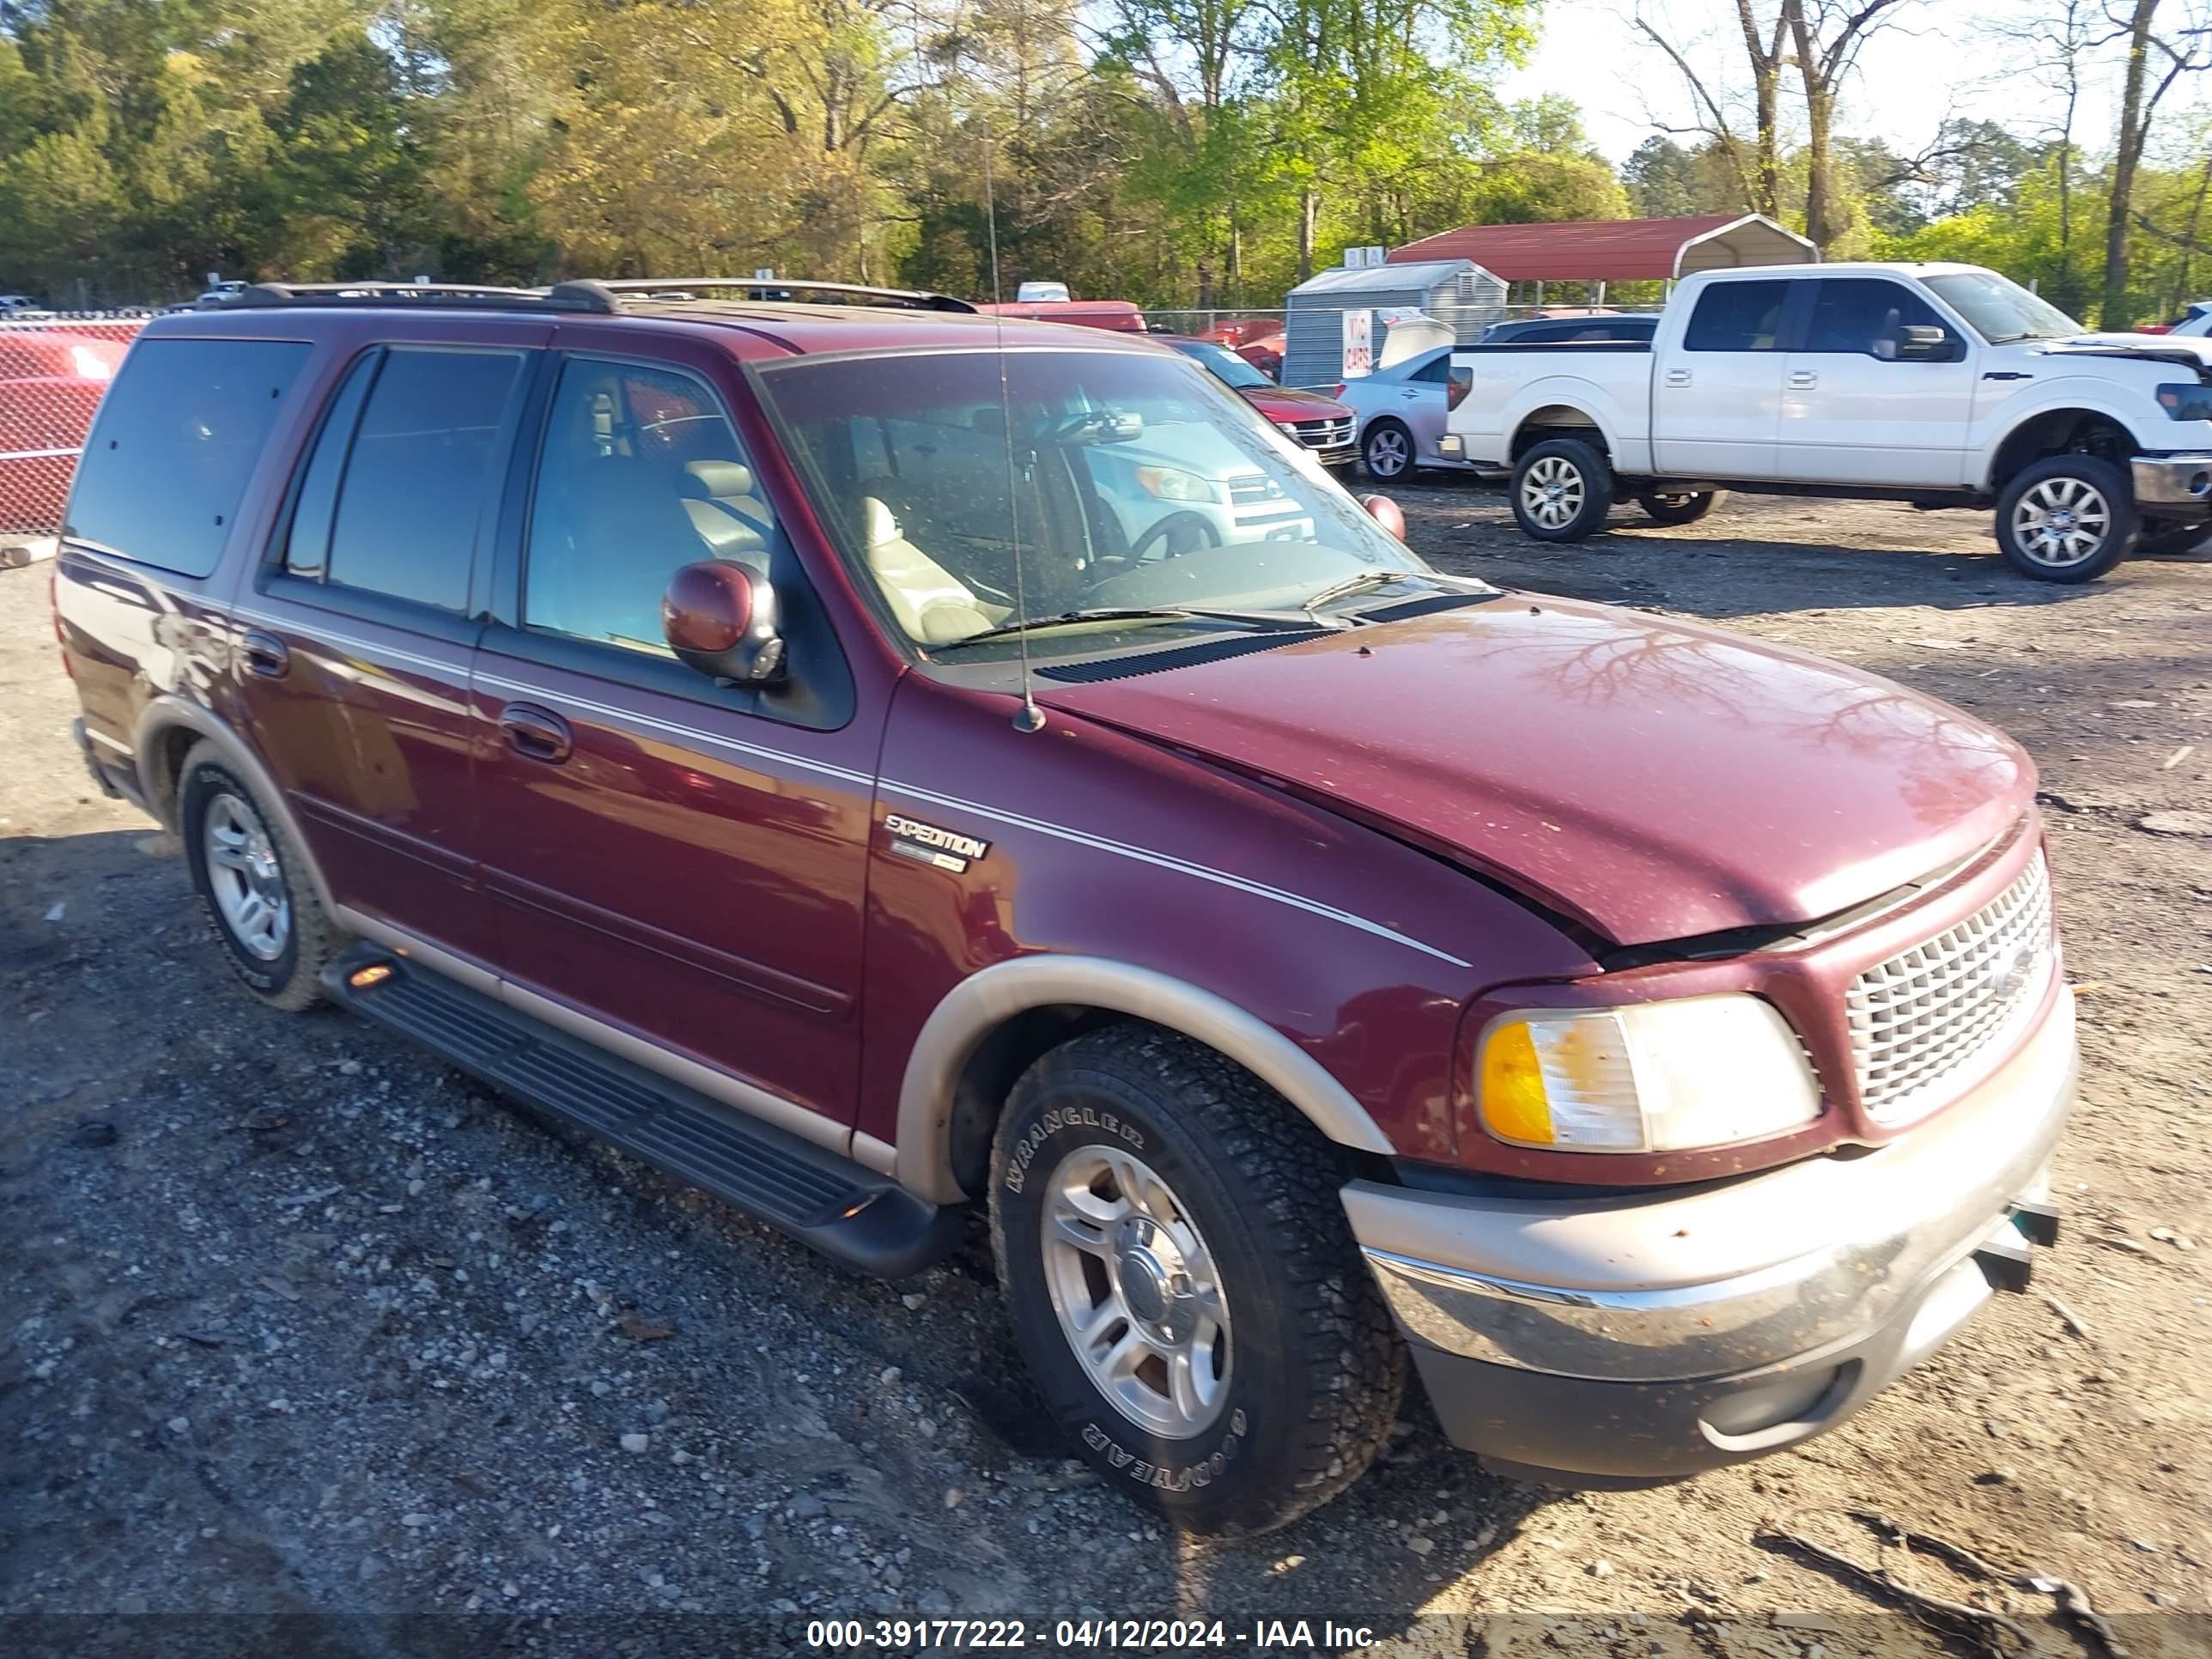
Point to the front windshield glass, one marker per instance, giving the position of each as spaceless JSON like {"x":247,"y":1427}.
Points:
{"x":1227,"y":367}
{"x":1129,"y":480}
{"x":2001,"y":310}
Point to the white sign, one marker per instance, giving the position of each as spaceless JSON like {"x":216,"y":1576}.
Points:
{"x":1358,"y":343}
{"x":763,"y":273}
{"x":1359,"y":258}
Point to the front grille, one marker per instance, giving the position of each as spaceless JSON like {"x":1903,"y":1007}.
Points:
{"x":1325,"y":435}
{"x":1246,"y":491}
{"x":1920,"y":1020}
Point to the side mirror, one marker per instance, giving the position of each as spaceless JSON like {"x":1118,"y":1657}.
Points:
{"x":1924,"y":342}
{"x":719,"y":620}
{"x":1386,"y":512}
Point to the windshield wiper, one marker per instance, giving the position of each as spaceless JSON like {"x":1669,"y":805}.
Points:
{"x":1264,"y":619}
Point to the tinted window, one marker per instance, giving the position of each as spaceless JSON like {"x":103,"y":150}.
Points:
{"x":176,"y":441}
{"x":1433,"y":371}
{"x":307,"y":543}
{"x":1737,"y":317}
{"x":1865,"y":314}
{"x":421,"y":474}
{"x":641,"y":474}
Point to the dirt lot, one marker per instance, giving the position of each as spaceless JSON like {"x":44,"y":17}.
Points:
{"x":295,"y":1321}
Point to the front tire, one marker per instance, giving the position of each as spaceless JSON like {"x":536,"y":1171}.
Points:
{"x":1184,"y":1283}
{"x":251,"y":878}
{"x":1387,"y":452}
{"x":1561,"y":490}
{"x":2066,"y":518}
{"x":1662,"y":506}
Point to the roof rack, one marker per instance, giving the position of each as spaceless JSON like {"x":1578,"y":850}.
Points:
{"x":459,"y":295}
{"x":607,"y":294}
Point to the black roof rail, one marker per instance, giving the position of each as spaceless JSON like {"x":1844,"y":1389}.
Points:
{"x":475,"y":295}
{"x":761,"y":287}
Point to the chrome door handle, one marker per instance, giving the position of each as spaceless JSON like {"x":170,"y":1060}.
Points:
{"x":1678,"y":377}
{"x":266,"y":656}
{"x":537,"y":733}
{"x":1803,"y":379}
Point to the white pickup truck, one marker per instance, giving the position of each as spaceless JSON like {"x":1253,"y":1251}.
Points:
{"x":1939,"y":385}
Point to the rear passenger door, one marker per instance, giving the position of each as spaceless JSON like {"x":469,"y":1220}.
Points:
{"x":362,"y":624}
{"x":1716,"y":397}
{"x":677,"y":867}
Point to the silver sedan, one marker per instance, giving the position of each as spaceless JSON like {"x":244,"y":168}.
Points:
{"x":1400,"y":410}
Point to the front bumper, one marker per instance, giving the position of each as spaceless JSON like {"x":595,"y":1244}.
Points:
{"x":1647,"y":1338}
{"x":1338,"y":455}
{"x":2168,"y":481}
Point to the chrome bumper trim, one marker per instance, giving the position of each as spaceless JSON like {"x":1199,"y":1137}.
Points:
{"x":2174,"y":480}
{"x":1723,"y":1278}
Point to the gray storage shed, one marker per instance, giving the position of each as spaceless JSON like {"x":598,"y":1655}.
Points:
{"x":1457,"y":293}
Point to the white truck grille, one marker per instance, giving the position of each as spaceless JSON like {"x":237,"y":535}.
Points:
{"x":1919,"y":1020}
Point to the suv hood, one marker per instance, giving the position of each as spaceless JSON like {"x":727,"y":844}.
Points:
{"x":1282,"y":402}
{"x":1652,"y":779}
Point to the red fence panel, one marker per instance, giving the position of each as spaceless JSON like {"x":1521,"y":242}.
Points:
{"x":52,"y":375}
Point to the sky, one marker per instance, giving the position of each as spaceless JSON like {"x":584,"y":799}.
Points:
{"x":1909,"y":77}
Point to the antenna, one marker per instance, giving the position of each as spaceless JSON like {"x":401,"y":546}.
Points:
{"x":1028,"y":717}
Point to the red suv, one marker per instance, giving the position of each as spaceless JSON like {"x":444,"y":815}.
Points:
{"x":780,"y":738}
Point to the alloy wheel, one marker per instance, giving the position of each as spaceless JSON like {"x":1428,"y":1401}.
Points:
{"x":1136,"y":1292}
{"x":1387,"y":453}
{"x":1551,"y":491}
{"x":246,"y":877}
{"x":2061,"y":521}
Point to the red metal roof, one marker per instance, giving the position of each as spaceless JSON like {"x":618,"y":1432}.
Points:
{"x":1587,"y":251}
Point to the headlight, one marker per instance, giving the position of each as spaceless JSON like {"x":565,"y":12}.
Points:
{"x":2185,"y":402}
{"x":1167,"y":484}
{"x":1290,"y":426}
{"x":1647,"y":1077}
{"x":88,"y":365}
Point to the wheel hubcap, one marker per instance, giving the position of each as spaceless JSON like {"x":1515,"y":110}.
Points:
{"x":1136,"y":1291}
{"x":2061,"y":521}
{"x":246,"y":877}
{"x":1551,"y":492}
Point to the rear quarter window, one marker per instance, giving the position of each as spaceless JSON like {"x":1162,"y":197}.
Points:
{"x":177,"y":438}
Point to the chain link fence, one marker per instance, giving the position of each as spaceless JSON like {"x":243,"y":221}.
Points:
{"x":52,"y":374}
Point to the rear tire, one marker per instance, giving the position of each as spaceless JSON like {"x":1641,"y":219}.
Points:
{"x":1184,"y":1283}
{"x":1561,"y":490}
{"x":1385,"y":450}
{"x":2066,"y":518}
{"x":1662,"y":507}
{"x":251,"y":879}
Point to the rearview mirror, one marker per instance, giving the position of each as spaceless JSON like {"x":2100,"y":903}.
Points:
{"x":719,"y":620}
{"x":1923,"y":343}
{"x":1386,"y":512}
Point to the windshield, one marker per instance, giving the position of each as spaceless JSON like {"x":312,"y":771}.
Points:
{"x":1129,"y":480}
{"x":2001,"y":310}
{"x":1225,"y":365}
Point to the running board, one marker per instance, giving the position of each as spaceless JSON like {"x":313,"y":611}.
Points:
{"x":848,"y":1212}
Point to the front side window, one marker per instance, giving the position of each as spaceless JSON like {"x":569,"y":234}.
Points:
{"x":641,"y":474}
{"x":421,"y":475}
{"x":1865,"y":314}
{"x":1123,"y":480}
{"x":1737,"y":317}
{"x":178,"y":436}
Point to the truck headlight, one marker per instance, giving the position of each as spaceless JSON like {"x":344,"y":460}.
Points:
{"x":1167,"y":483}
{"x":1646,"y":1077}
{"x":2186,"y":402}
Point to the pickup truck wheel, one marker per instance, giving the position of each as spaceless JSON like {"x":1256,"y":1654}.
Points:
{"x":1561,"y":490}
{"x":247,"y":872}
{"x":2164,"y":539}
{"x":1184,"y":1283}
{"x":1387,"y":452}
{"x":2066,"y":518}
{"x":1661,"y":508}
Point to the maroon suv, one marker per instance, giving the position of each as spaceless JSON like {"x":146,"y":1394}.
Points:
{"x":778,"y":736}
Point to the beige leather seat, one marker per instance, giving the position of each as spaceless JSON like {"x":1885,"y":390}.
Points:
{"x":731,"y":518}
{"x":930,"y":601}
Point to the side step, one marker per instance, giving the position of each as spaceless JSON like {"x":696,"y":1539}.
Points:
{"x":848,"y":1212}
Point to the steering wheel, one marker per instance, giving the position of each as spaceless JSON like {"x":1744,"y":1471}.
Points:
{"x":1182,"y":533}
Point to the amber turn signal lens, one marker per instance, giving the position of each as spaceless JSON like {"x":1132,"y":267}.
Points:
{"x":375,"y":974}
{"x":1514,"y":1104}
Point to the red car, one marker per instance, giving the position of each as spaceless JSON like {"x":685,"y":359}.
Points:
{"x":50,"y":382}
{"x":750,"y":731}
{"x":1321,"y":423}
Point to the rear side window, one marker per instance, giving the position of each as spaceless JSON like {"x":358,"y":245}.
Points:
{"x":1737,"y":317}
{"x":422,"y":473}
{"x":1434,"y":372}
{"x":177,"y":438}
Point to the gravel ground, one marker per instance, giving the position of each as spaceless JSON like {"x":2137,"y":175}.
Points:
{"x":293,"y":1320}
